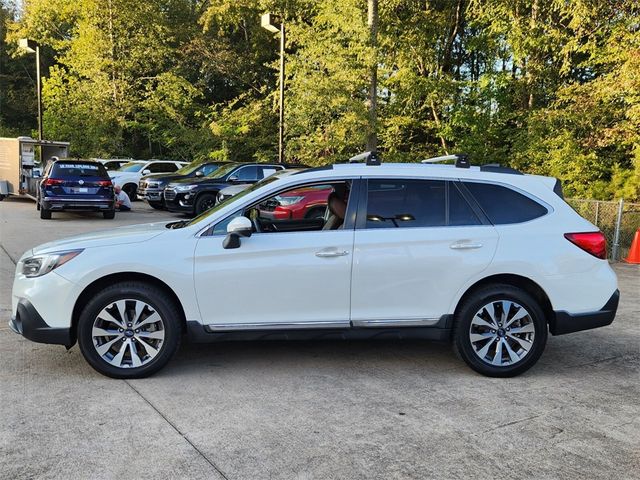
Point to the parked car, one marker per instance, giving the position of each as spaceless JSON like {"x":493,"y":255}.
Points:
{"x":128,"y":176}
{"x":307,"y":202}
{"x":196,"y":195}
{"x":113,"y":163}
{"x":77,"y":185}
{"x":485,"y":258}
{"x":232,"y":190}
{"x":151,"y":187}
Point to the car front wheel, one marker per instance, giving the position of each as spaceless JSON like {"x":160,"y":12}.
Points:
{"x":205,"y":202}
{"x":500,"y":331}
{"x":129,"y":330}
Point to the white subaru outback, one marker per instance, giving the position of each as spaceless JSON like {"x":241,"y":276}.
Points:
{"x":484,"y":257}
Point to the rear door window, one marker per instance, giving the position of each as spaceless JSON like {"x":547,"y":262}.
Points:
{"x":76,"y":169}
{"x":503,"y":205}
{"x":405,"y":203}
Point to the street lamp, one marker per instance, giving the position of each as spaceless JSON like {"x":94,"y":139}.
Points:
{"x":30,"y":46}
{"x":275,"y":24}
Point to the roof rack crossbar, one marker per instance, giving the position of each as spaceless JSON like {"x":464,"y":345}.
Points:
{"x":461,"y":160}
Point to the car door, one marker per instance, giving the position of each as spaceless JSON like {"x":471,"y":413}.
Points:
{"x":280,"y":279}
{"x":417,"y":242}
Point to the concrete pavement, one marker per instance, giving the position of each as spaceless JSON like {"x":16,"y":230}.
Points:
{"x":322,"y":410}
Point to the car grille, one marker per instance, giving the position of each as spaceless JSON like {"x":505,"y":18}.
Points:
{"x":169,"y":193}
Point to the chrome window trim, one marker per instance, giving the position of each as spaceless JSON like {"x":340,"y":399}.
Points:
{"x":201,"y":232}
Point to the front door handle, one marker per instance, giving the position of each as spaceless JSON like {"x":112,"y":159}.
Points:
{"x":331,"y":252}
{"x":465,"y":246}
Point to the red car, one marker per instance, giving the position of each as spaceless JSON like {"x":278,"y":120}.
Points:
{"x":310,"y":202}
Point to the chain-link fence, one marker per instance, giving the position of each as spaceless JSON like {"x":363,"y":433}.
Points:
{"x":618,"y":220}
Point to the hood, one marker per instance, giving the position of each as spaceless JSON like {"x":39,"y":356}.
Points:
{"x":235,"y":189}
{"x":201,"y":181}
{"x":162,"y":177}
{"x":101,"y":238}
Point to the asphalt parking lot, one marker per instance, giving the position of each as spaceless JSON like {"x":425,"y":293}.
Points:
{"x":302,"y":410}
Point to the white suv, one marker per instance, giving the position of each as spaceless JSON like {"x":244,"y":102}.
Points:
{"x":486,"y":258}
{"x":128,"y":175}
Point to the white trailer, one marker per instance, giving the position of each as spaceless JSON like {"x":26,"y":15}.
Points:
{"x":20,"y":166}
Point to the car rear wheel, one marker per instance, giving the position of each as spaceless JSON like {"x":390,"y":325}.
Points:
{"x":130,"y":189}
{"x":500,"y":331}
{"x":205,"y":202}
{"x":129,"y":330}
{"x":109,"y":215}
{"x":45,"y":213}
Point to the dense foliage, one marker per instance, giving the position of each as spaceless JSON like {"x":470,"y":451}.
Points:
{"x":548,"y":86}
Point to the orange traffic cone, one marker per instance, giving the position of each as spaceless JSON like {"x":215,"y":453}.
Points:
{"x":634,"y":251}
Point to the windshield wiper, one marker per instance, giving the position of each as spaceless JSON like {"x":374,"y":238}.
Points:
{"x":178,"y":224}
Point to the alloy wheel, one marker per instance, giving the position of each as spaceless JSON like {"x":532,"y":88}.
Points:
{"x":128,"y":333}
{"x":502,"y":333}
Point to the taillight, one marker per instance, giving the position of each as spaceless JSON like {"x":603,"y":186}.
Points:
{"x":105,"y":183}
{"x":594,"y":243}
{"x":49,"y":182}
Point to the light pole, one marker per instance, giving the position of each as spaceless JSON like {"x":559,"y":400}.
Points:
{"x":31,"y":46}
{"x":275,"y":24}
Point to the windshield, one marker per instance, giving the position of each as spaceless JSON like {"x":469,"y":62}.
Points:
{"x":131,"y":167}
{"x":229,"y":200}
{"x":193,"y":166}
{"x":223,"y":170}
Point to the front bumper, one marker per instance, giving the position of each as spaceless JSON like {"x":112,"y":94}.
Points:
{"x":179,"y":202}
{"x":150,"y":194}
{"x":28,"y":323}
{"x":565,"y":322}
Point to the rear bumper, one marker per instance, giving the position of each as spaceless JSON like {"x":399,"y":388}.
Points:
{"x":565,"y":322}
{"x":67,"y":203}
{"x":28,"y":323}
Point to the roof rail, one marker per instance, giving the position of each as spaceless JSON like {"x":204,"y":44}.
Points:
{"x":369,"y":158}
{"x":461,"y":160}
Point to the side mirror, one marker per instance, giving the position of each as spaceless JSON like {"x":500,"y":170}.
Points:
{"x":233,"y":179}
{"x":238,"y":227}
{"x":199,"y":173}
{"x":146,"y":171}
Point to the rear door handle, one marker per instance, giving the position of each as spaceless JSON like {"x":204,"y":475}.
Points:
{"x":331,"y":252}
{"x":465,"y":246}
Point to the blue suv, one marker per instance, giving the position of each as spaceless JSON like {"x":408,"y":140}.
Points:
{"x":75,"y":185}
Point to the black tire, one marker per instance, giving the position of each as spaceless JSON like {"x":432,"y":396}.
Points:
{"x":156,"y":205}
{"x":140,"y":291}
{"x":205,"y":202}
{"x":473,"y":304}
{"x":109,"y":214}
{"x":316,"y":212}
{"x":130,"y":189}
{"x":2,"y":197}
{"x":45,"y":213}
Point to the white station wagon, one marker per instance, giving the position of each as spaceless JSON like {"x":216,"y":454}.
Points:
{"x":484,"y":257}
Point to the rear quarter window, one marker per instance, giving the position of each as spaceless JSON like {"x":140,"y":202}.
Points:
{"x":503,"y":205}
{"x":64,"y":169}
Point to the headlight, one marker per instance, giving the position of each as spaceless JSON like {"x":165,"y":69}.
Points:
{"x":39,"y":265}
{"x":152,"y":185}
{"x":184,"y":188}
{"x":288,"y":200}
